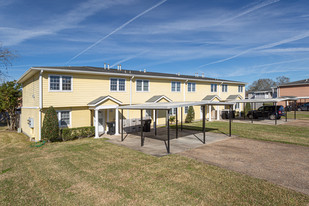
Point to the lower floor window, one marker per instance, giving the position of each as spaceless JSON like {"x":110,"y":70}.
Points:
{"x":186,"y":109}
{"x":64,"y":118}
{"x":237,"y":106}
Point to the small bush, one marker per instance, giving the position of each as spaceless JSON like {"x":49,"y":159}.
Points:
{"x":190,"y":116}
{"x":50,"y":129}
{"x":248,"y":107}
{"x":172,"y":119}
{"x":79,"y":132}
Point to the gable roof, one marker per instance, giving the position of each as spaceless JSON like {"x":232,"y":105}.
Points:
{"x":211,"y":98}
{"x":120,"y":72}
{"x":101,"y":99}
{"x":233,"y":97}
{"x":157,"y":98}
{"x":296,"y":83}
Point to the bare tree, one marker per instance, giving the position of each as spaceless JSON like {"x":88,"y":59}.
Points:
{"x":6,"y":57}
{"x":282,"y":80}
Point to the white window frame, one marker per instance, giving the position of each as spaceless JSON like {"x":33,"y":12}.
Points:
{"x":186,"y":109}
{"x":143,"y":80}
{"x":191,"y":86}
{"x":125,"y":84}
{"x":60,"y":83}
{"x":59,"y":117}
{"x":237,"y":105}
{"x":226,"y":88}
{"x":240,"y":88}
{"x":172,"y":112}
{"x":215,"y":87}
{"x":175,"y":86}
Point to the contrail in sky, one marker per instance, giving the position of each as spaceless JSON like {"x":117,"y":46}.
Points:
{"x":117,"y":29}
{"x":129,"y":58}
{"x":266,"y":46}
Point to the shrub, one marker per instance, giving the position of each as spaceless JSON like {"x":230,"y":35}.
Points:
{"x":190,"y":115}
{"x":248,"y":107}
{"x":79,"y":132}
{"x":50,"y":129}
{"x":172,"y":119}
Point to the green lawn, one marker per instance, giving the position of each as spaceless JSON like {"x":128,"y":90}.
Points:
{"x":299,"y":115}
{"x":95,"y":172}
{"x":277,"y":133}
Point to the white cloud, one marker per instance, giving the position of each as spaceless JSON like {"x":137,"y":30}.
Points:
{"x":14,"y":36}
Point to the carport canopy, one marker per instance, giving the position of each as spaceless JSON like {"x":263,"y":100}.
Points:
{"x":272,"y":100}
{"x":171,"y":105}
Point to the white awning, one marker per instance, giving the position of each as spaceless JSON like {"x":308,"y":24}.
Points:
{"x":171,"y":105}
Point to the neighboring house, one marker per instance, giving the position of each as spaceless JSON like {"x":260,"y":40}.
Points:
{"x":293,"y":89}
{"x":267,"y":94}
{"x":82,"y":95}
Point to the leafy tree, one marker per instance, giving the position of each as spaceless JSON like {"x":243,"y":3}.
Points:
{"x":10,"y":100}
{"x":50,"y":129}
{"x":190,"y":115}
{"x":6,"y":57}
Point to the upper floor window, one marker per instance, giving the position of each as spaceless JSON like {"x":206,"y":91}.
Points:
{"x":224,"y":87}
{"x":240,"y":88}
{"x":142,"y":85}
{"x":117,"y":84}
{"x":213,"y":87}
{"x":191,"y":87}
{"x":175,"y":86}
{"x":60,"y":83}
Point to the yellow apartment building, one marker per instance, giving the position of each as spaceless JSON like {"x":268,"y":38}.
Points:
{"x":84,"y":95}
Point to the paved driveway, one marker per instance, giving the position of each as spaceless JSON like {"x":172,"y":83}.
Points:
{"x":283,"y":164}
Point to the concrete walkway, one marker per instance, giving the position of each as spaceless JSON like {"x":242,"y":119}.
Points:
{"x":154,"y":145}
{"x":283,"y":164}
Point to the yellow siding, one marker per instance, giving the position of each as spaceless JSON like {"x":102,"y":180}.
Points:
{"x":26,"y":114}
{"x":86,"y":88}
{"x":30,"y":92}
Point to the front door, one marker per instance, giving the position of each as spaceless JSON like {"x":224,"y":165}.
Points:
{"x":101,"y":123}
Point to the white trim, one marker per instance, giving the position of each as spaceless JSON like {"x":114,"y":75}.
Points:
{"x":216,"y":96}
{"x":163,"y":97}
{"x":116,"y":121}
{"x":175,"y":86}
{"x":60,"y":83}
{"x":191,"y":87}
{"x":123,"y":74}
{"x":106,"y":107}
{"x":142,"y":85}
{"x":125,"y":84}
{"x":96,"y":116}
{"x":216,"y":88}
{"x":103,"y":100}
{"x":29,"y":107}
{"x":40,"y":104}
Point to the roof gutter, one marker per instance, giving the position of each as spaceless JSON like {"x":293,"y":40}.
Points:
{"x":124,"y":74}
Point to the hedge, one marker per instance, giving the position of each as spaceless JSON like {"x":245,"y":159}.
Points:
{"x":79,"y":132}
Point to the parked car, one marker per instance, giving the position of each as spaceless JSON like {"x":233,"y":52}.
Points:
{"x":304,"y":107}
{"x":267,"y":112}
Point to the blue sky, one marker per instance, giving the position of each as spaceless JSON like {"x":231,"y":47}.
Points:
{"x":229,"y":39}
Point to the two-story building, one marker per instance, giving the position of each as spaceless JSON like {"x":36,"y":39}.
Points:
{"x":82,"y":95}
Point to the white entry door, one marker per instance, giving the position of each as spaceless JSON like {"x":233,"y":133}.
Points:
{"x":101,"y":121}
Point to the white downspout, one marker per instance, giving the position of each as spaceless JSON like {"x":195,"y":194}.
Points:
{"x":131,"y":89}
{"x":40,"y":105}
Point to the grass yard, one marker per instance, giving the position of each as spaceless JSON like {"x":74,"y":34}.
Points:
{"x":280,"y":133}
{"x":300,"y":115}
{"x":95,"y":172}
